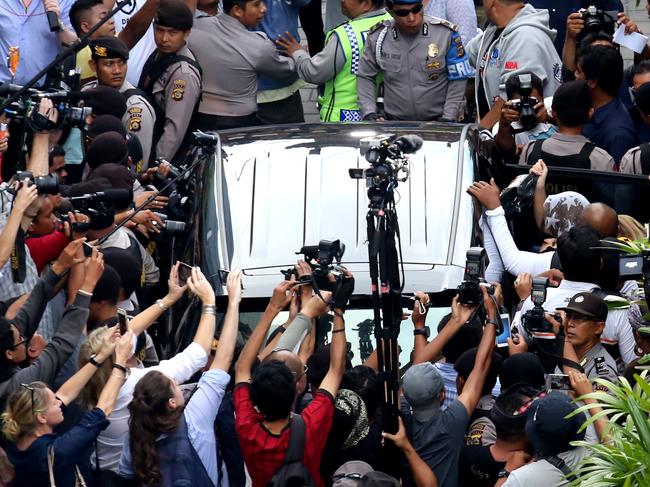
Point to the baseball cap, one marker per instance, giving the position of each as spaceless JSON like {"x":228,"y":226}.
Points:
{"x":378,"y":479}
{"x":421,"y":385}
{"x":350,"y":473}
{"x":548,"y":428}
{"x":522,"y":368}
{"x":589,"y":305}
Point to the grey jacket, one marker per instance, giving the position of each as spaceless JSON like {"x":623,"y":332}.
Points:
{"x":60,"y":348}
{"x":525,"y":45}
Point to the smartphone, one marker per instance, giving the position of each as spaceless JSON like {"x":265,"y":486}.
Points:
{"x":223,"y":277}
{"x":502,"y":338}
{"x":558,"y":382}
{"x":88,"y":249}
{"x":184,"y":273}
{"x":122,"y":320}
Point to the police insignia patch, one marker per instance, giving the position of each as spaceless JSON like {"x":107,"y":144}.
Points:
{"x":178,"y":89}
{"x":135,"y":119}
{"x":433,"y":65}
{"x":433,"y":50}
{"x":100,"y":51}
{"x":460,"y":50}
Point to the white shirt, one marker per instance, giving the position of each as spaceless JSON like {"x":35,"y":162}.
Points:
{"x":139,"y":53}
{"x":617,"y":327}
{"x":503,"y":252}
{"x":180,"y":368}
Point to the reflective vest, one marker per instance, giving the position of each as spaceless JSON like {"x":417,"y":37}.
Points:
{"x":339,"y":100}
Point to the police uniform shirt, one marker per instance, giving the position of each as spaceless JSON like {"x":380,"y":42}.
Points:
{"x":567,"y":145}
{"x":598,"y":364}
{"x":139,"y":119}
{"x":631,"y":162}
{"x":424,"y":75}
{"x":231,"y":57}
{"x":177,"y":91}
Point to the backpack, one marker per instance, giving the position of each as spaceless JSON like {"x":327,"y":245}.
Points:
{"x":292,"y":473}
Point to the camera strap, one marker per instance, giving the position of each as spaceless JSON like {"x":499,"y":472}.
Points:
{"x":18,"y":266}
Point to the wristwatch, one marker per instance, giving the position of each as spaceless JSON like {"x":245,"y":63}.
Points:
{"x":492,"y":322}
{"x":93,"y":360}
{"x":425,"y":332}
{"x":126,"y":370}
{"x":503,"y":474}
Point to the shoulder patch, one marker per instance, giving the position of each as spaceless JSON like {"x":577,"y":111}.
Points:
{"x":379,"y":25}
{"x":135,"y":119}
{"x":446,"y":23}
{"x":178,"y":89}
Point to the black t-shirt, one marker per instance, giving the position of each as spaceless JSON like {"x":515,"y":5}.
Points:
{"x":483,"y":105}
{"x":477,"y":468}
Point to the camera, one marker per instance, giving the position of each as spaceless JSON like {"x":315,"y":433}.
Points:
{"x":526,"y":104}
{"x":171,"y":226}
{"x":469,"y":291}
{"x":534,"y":321}
{"x":597,"y":20}
{"x":44,"y":184}
{"x":78,"y":227}
{"x":324,"y":259}
{"x":636,"y":267}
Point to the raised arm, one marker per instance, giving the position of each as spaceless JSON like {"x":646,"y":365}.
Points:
{"x":422,"y":473}
{"x":200,"y":286}
{"x":23,"y":200}
{"x":228,"y":339}
{"x":474,"y":384}
{"x":280,"y":299}
{"x":139,"y":23}
{"x":123,"y":352}
{"x":540,"y":192}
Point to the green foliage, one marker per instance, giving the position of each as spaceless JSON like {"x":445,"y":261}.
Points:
{"x":624,"y":460}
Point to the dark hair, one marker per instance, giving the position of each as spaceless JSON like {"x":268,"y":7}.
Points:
{"x":514,"y":86}
{"x":365,"y":382}
{"x":578,"y":253}
{"x":609,"y":276}
{"x":468,"y":336}
{"x":229,"y":4}
{"x":642,"y":67}
{"x":56,"y":151}
{"x":77,"y":11}
{"x":6,"y":343}
{"x":377,"y":4}
{"x":465,"y":364}
{"x":127,"y":266}
{"x":589,"y":39}
{"x":273,"y":390}
{"x":604,"y":65}
{"x":108,"y":286}
{"x":150,"y":417}
{"x":318,"y":364}
{"x":572,"y":103}
{"x":509,"y":425}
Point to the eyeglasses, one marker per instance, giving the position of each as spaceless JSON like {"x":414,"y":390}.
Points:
{"x":304,"y":371}
{"x":32,"y":390}
{"x":578,"y":319}
{"x":23,"y":341}
{"x":403,"y":12}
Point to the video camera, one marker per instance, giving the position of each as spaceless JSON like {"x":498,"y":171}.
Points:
{"x":469,"y":291}
{"x":534,"y":320}
{"x":388,"y":164}
{"x":525,"y":105}
{"x":324,"y":259}
{"x":44,"y":184}
{"x":636,"y":267}
{"x":597,"y":20}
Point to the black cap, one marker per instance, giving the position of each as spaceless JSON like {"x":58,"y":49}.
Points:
{"x":522,"y":368}
{"x":642,"y":98}
{"x":108,"y":48}
{"x":174,"y":14}
{"x":106,"y":123}
{"x":106,"y":100}
{"x":109,"y":147}
{"x":589,"y":305}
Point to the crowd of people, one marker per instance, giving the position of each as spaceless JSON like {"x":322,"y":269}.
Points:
{"x":85,"y":291}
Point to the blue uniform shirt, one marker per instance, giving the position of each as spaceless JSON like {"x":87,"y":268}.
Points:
{"x":611,"y":128}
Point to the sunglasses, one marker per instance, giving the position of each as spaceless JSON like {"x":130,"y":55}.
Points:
{"x":32,"y":390}
{"x":406,"y":12}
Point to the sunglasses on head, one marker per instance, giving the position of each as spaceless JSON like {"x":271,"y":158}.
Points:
{"x":407,"y":12}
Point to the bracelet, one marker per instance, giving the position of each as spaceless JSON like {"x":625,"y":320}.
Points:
{"x":162,"y":305}
{"x":340,"y":330}
{"x":85,"y":293}
{"x":119,"y":375}
{"x":209,"y":309}
{"x":492,"y":322}
{"x":93,"y":361}
{"x":121,"y":367}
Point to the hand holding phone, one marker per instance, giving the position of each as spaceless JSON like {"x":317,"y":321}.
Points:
{"x":502,"y":338}
{"x":184,"y":273}
{"x":558,"y":382}
{"x":122,"y":321}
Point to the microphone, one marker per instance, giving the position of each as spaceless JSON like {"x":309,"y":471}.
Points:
{"x":201,"y":138}
{"x":8,"y":89}
{"x":408,"y":144}
{"x":53,"y":20}
{"x":112,"y":195}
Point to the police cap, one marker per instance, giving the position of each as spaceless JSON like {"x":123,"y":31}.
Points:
{"x":174,"y":14}
{"x":108,"y":47}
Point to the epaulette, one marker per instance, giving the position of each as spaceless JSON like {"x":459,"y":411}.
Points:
{"x":380,"y":25}
{"x":446,"y":23}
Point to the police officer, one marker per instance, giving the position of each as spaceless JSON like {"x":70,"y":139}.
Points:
{"x":109,"y":56}
{"x":337,"y":64}
{"x":586,"y":314}
{"x":171,"y":77}
{"x":233,"y":56}
{"x":423,"y":62}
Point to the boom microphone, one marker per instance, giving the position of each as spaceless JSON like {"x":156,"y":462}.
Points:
{"x":112,"y":195}
{"x":409,"y":143}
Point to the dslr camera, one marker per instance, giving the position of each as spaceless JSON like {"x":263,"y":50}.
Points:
{"x":324,"y":259}
{"x":469,"y":291}
{"x":44,"y":184}
{"x":597,"y":20}
{"x":533,"y":320}
{"x":525,"y":105}
{"x":636,"y":267}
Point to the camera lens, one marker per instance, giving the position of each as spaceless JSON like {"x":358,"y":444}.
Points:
{"x":173,"y":226}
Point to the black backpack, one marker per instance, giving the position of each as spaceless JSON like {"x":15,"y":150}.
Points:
{"x":292,"y":473}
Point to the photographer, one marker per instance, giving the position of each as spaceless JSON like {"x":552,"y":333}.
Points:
{"x":521,"y":123}
{"x":568,"y":147}
{"x":581,"y":263}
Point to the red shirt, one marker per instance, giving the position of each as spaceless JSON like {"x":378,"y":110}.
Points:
{"x":47,"y":248}
{"x":264,"y":452}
